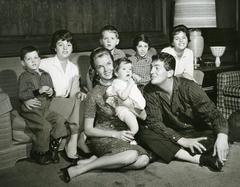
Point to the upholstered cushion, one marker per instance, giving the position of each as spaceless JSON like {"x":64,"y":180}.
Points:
{"x":232,"y":103}
{"x":21,"y":133}
{"x":5,"y":104}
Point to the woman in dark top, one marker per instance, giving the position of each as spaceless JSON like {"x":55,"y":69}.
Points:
{"x":108,"y":137}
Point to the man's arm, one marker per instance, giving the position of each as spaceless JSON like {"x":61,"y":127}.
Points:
{"x":209,"y":113}
{"x":206,"y":109}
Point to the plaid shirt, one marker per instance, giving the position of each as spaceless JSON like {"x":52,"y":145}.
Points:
{"x":189,"y":108}
{"x":141,"y":67}
{"x":29,"y":83}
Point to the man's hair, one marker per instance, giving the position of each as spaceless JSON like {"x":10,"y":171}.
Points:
{"x":168,"y":60}
{"x":98,"y":52}
{"x":140,"y":38}
{"x":118,"y":62}
{"x":176,"y":30}
{"x":61,"y":35}
{"x":110,"y":28}
{"x":26,"y":50}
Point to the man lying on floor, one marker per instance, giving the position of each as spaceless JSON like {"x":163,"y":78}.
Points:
{"x":182,"y":122}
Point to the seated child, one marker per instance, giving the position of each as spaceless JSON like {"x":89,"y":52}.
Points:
{"x":125,"y":97}
{"x":109,"y":40}
{"x":48,"y":127}
{"x":141,"y":61}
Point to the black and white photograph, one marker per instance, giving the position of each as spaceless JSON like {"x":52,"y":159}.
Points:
{"x":119,"y":93}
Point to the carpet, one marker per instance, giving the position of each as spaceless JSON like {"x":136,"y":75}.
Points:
{"x":177,"y":173}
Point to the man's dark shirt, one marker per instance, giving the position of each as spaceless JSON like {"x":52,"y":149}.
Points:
{"x":30,"y":82}
{"x":189,"y":108}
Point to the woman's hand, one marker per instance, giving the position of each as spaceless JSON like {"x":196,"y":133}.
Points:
{"x":47,"y":90}
{"x":81,"y":95}
{"x":32,"y":103}
{"x":123,"y":135}
{"x":44,"y":89}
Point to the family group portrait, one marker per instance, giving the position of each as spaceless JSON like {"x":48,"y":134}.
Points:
{"x":109,"y":93}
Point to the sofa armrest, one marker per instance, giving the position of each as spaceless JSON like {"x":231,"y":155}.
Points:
{"x":225,"y":79}
{"x":232,"y":90}
{"x":5,"y":104}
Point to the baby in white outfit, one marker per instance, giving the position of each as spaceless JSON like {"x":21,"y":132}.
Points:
{"x":125,"y":96}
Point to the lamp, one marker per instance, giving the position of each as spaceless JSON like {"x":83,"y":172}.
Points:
{"x":195,"y":14}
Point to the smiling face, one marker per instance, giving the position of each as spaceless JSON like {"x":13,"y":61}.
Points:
{"x":31,"y":60}
{"x":104,"y":67}
{"x":142,"y":48}
{"x":109,"y":40}
{"x":180,"y":41}
{"x":124,"y":71}
{"x":158,"y":72}
{"x":63,"y":49}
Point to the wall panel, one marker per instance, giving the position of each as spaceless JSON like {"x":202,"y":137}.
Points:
{"x":33,"y":21}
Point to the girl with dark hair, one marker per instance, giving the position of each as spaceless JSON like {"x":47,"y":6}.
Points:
{"x":178,"y":48}
{"x":141,"y":61}
{"x":65,"y":78}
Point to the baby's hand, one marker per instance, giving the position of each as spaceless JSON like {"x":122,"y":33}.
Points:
{"x":136,"y":77}
{"x":131,"y":81}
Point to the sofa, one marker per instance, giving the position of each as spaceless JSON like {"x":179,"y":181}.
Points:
{"x":15,"y":137}
{"x":228,"y":92}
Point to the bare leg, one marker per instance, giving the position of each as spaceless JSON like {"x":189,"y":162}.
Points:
{"x":125,"y":115}
{"x":130,"y":119}
{"x":71,"y":145}
{"x":82,"y":143}
{"x":142,"y":161}
{"x":105,"y":162}
{"x":184,"y":155}
{"x":86,"y":161}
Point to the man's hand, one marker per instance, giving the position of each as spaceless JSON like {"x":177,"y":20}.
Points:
{"x":32,"y":103}
{"x":192,"y":143}
{"x":221,"y":147}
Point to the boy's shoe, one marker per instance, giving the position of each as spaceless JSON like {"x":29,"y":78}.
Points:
{"x":41,"y":158}
{"x":211,"y":162}
{"x":54,"y":146}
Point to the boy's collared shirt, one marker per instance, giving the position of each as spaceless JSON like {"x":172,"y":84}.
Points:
{"x":189,"y":108}
{"x":30,"y":82}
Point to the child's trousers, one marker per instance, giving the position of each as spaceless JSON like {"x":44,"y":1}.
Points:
{"x":43,"y":124}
